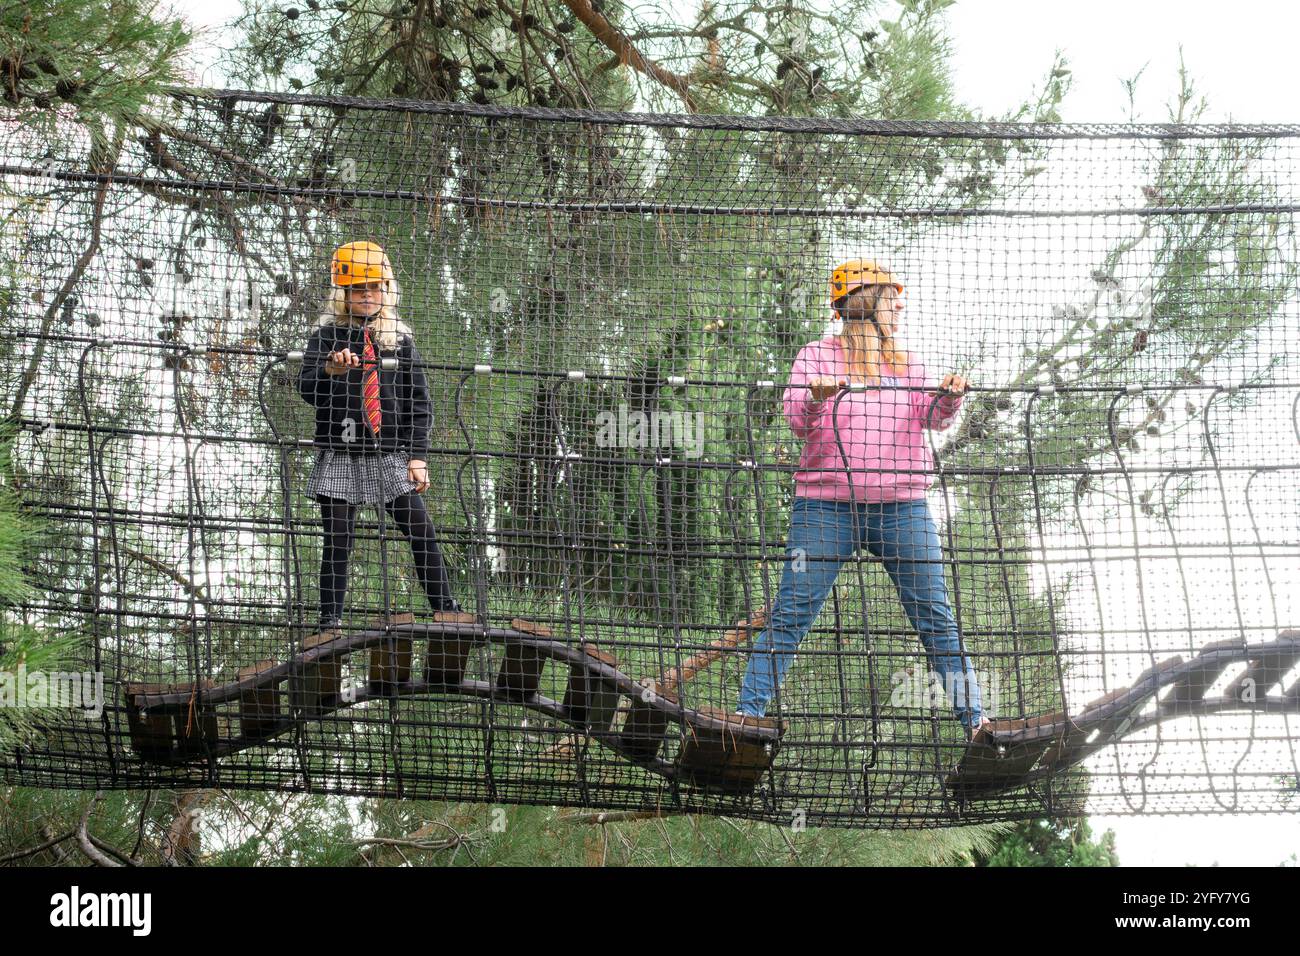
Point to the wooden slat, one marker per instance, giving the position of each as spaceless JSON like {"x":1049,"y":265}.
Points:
{"x":447,"y":654}
{"x":1107,"y":716}
{"x":645,"y":726}
{"x":531,"y":627}
{"x":1266,"y":670}
{"x":521,"y":670}
{"x":1203,"y":670}
{"x":729,"y":757}
{"x":151,"y":734}
{"x":166,"y":737}
{"x":259,"y":708}
{"x":196,"y":729}
{"x":390,"y":660}
{"x":985,"y":769}
{"x":589,"y":700}
{"x":315,"y":688}
{"x":523,"y":663}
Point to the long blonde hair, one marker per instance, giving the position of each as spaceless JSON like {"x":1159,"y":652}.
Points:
{"x":866,"y":347}
{"x":384,"y":324}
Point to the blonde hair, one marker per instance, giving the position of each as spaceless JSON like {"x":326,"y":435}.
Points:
{"x":866,"y":347}
{"x":384,"y":324}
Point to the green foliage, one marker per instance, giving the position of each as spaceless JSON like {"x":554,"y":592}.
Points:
{"x":269,"y":829}
{"x":105,"y":58}
{"x":16,"y":527}
{"x":24,"y":648}
{"x":1045,"y":843}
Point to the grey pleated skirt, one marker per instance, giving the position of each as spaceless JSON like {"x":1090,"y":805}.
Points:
{"x":359,"y":479}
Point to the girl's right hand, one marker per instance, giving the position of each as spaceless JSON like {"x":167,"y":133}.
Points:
{"x":340,"y":362}
{"x":824,"y":386}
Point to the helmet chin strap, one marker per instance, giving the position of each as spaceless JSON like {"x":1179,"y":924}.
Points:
{"x":839,"y":317}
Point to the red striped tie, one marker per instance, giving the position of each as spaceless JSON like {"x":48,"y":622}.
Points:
{"x":370,"y":386}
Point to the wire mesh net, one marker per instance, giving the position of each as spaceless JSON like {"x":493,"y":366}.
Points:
{"x":528,"y":455}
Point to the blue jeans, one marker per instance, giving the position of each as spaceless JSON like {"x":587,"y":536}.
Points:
{"x":823,"y":535}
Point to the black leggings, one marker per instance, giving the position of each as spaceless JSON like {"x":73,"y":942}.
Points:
{"x":409,"y":513}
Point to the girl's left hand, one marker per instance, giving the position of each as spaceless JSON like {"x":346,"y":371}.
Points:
{"x":419,"y":473}
{"x":953,"y":383}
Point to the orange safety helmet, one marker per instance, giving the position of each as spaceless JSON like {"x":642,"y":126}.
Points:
{"x":359,"y":262}
{"x":859,"y":272}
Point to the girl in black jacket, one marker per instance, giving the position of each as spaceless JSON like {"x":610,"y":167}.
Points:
{"x":372,"y":423}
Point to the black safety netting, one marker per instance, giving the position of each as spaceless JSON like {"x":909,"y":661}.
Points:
{"x":637,"y":509}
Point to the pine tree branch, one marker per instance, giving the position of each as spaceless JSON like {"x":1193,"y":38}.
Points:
{"x":84,"y":839}
{"x":48,"y":844}
{"x":106,"y":164}
{"x":619,"y":816}
{"x":414,"y":840}
{"x":220,"y":152}
{"x":59,"y":853}
{"x":627,"y":52}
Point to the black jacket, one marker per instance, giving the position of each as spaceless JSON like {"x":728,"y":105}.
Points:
{"x":340,"y":418}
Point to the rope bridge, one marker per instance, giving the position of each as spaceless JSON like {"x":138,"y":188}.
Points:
{"x":607,"y":307}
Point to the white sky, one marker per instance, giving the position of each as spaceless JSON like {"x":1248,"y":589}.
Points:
{"x":1240,"y":55}
{"x":1241,"y":58}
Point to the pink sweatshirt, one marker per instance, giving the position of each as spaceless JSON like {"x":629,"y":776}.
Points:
{"x":880,"y":428}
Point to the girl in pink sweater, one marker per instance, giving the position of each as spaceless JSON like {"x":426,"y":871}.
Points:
{"x":851,"y":390}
